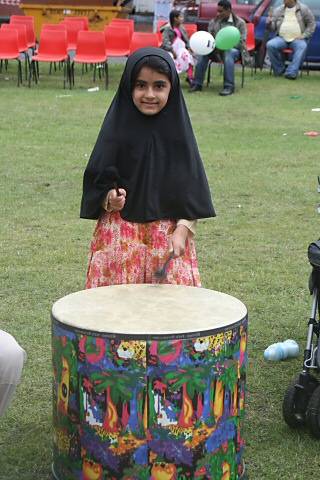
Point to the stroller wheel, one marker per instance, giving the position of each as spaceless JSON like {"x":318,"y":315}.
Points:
{"x":294,"y":406}
{"x":313,"y":413}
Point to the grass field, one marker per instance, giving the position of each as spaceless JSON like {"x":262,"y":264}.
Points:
{"x":263,"y":173}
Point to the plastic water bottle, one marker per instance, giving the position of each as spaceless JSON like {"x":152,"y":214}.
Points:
{"x":282,"y":350}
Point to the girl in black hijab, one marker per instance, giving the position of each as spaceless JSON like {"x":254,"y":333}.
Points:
{"x":145,"y":182}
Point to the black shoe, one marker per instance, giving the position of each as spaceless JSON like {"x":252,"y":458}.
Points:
{"x":280,"y":73}
{"x":226,"y":91}
{"x":195,"y":88}
{"x":190,"y":81}
{"x":291,"y":77}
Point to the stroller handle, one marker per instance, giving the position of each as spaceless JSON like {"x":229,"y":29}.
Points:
{"x":314,"y":254}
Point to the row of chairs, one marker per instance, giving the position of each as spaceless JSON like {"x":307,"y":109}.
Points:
{"x":28,"y":20}
{"x":55,"y":45}
{"x":91,"y":47}
{"x":121,"y":39}
{"x":118,"y":39}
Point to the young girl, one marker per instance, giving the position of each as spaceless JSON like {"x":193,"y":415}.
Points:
{"x":145,"y":181}
{"x":175,"y":40}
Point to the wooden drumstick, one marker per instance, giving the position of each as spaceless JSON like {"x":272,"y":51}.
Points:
{"x":115,"y":186}
{"x":161,"y":273}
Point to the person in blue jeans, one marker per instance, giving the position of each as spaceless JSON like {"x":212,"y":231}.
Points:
{"x":225,"y":17}
{"x":294,"y":24}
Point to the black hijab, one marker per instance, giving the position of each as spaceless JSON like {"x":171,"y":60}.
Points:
{"x":154,"y":158}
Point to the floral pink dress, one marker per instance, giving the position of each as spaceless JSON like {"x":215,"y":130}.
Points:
{"x":124,"y":252}
{"x":183,"y":59}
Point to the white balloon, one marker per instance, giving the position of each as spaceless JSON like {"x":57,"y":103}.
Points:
{"x":202,"y":42}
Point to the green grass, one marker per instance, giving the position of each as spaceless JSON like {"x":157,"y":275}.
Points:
{"x":264,"y":188}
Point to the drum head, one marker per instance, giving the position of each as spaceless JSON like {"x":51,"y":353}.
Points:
{"x":144,"y":310}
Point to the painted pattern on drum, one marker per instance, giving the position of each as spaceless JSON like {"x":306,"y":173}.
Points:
{"x":159,"y":410}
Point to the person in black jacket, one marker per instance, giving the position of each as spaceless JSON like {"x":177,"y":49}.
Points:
{"x":225,"y":17}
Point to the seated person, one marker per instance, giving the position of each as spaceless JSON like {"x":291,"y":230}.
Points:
{"x":294,"y":24}
{"x":225,"y":17}
{"x":12,"y":358}
{"x":175,"y":40}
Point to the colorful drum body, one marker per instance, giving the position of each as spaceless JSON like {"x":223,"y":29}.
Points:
{"x":149,"y":383}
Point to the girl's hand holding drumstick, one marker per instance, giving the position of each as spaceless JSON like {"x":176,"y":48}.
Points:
{"x":115,"y":200}
{"x":177,"y":241}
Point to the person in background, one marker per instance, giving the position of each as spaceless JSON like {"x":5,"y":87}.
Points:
{"x":175,"y":40}
{"x":12,"y":358}
{"x":225,"y":17}
{"x":294,"y":24}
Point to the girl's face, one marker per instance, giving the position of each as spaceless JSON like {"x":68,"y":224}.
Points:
{"x":178,"y":20}
{"x":150,"y":91}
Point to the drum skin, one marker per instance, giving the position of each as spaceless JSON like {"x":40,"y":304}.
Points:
{"x":159,"y":408}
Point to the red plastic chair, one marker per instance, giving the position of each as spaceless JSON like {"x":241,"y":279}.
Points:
{"x":287,"y":53}
{"x":84,"y":20}
{"x":9,"y":49}
{"x":117,"y":41}
{"x":190,"y":28}
{"x":72,"y":29}
{"x":22,"y":34}
{"x":121,"y":22}
{"x":52,"y":48}
{"x":143,"y":39}
{"x":251,"y":44}
{"x":160,"y":24}
{"x":23,"y":18}
{"x":53,"y":26}
{"x":28,"y":21}
{"x":21,"y":29}
{"x":91,"y":48}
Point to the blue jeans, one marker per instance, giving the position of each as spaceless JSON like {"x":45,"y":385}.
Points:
{"x":274,"y":47}
{"x":229,"y":59}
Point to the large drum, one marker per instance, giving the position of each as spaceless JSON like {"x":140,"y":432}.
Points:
{"x":149,"y":383}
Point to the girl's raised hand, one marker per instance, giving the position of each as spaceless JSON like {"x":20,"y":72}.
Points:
{"x":177,"y":241}
{"x":115,"y":202}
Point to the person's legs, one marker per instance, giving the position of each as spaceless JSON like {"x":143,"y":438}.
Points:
{"x":274,"y":47}
{"x":230,"y":57}
{"x":200,"y":71}
{"x":299,"y":48}
{"x":12,"y":358}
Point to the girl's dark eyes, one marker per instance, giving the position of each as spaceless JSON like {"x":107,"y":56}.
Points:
{"x":159,"y":86}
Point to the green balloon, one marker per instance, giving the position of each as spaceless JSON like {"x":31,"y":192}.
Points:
{"x":227,"y":38}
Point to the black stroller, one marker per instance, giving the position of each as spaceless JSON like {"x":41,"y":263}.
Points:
{"x":301,"y":403}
